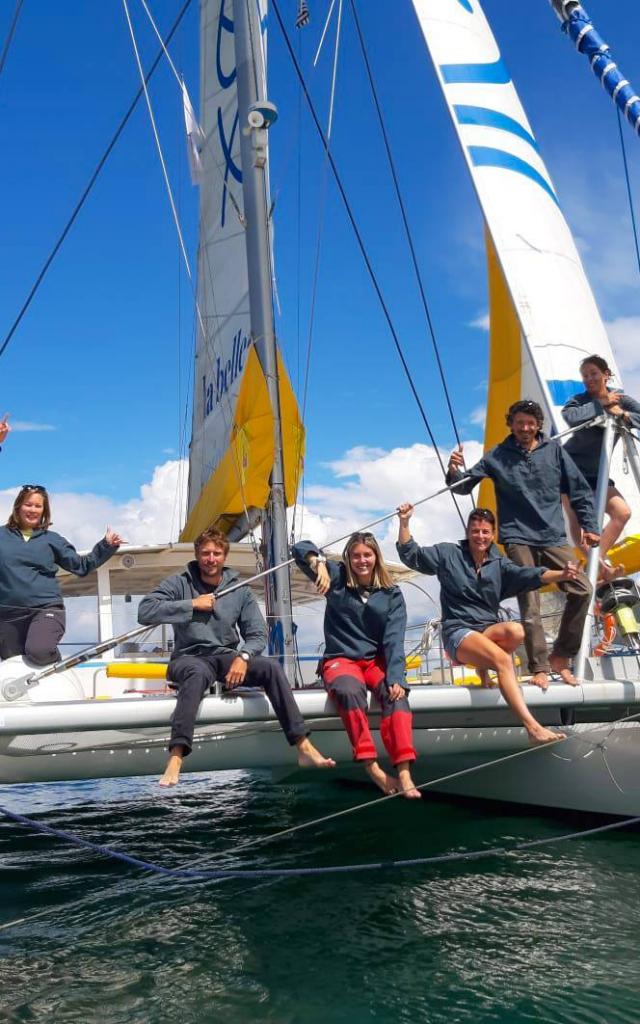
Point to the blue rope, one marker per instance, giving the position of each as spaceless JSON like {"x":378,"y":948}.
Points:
{"x":628,"y":183}
{"x":335,"y":869}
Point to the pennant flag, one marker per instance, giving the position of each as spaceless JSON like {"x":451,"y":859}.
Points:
{"x":195,"y":139}
{"x":303,"y":14}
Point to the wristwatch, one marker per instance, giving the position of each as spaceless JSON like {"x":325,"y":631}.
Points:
{"x":245,"y":656}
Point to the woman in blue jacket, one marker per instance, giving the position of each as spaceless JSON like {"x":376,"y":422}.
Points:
{"x":585,"y":446}
{"x":364,"y":626}
{"x":474,"y":578}
{"x":32,"y":617}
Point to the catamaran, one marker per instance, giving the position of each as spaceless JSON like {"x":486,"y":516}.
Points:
{"x":102,"y":715}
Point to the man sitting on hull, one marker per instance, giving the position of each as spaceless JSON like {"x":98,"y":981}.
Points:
{"x":530,"y":473}
{"x":207,"y":634}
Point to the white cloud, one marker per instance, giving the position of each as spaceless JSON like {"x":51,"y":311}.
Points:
{"x":481,"y":322}
{"x":27,"y":425}
{"x":478,"y":416}
{"x":152,"y":518}
{"x":624,"y":335}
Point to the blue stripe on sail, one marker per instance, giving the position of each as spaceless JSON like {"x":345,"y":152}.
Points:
{"x":486,"y":156}
{"x":485,"y":74}
{"x":489,"y":118}
{"x":562,"y":390}
{"x":467,"y":5}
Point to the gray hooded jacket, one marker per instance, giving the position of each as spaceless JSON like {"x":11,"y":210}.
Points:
{"x":235,"y":616}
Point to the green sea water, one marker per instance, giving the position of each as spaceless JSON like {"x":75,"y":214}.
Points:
{"x":545,"y":935}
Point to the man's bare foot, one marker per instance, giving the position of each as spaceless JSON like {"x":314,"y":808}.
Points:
{"x":172,"y":770}
{"x":562,"y":667}
{"x":385,"y":782}
{"x":539,"y":734}
{"x":486,"y":682}
{"x":310,"y":757}
{"x":407,"y":785}
{"x":609,"y":572}
{"x":540,"y":679}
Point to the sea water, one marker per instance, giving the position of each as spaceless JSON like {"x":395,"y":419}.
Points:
{"x":547,"y":934}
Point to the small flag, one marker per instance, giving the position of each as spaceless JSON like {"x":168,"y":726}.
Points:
{"x":195,"y":139}
{"x":303,"y":14}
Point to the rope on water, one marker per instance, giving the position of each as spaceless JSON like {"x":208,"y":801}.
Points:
{"x":216,"y":874}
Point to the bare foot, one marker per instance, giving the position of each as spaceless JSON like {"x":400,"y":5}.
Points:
{"x":540,"y":679}
{"x":310,"y":757}
{"x":385,"y":782}
{"x":407,"y":785}
{"x":486,"y":682}
{"x":609,"y":572}
{"x":562,"y":667}
{"x":172,"y":770}
{"x":540,"y":734}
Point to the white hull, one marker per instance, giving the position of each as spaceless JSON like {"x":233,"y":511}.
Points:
{"x":455,"y":728}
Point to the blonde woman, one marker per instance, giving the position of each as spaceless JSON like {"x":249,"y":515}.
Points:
{"x":364,"y":627}
{"x":32,"y":617}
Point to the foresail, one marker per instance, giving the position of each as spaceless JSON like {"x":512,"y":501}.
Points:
{"x":228,"y":476}
{"x":543,"y":316}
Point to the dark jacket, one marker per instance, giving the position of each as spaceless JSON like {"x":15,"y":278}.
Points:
{"x":469,"y":598}
{"x":234,"y":615}
{"x":28,"y":567}
{"x":528,"y":486}
{"x":585,"y":445}
{"x":357,"y":629}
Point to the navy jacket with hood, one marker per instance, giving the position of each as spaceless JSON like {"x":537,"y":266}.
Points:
{"x":468,"y":598}
{"x":585,"y":445}
{"x":357,"y":629}
{"x":234,"y":617}
{"x":28,"y":567}
{"x":528,"y":486}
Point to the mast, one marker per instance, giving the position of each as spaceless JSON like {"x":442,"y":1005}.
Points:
{"x":256,"y":114}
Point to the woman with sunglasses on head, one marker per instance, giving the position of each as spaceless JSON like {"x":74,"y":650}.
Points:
{"x":585,"y":446}
{"x":474,"y":578}
{"x":364,"y":626}
{"x":32,"y":616}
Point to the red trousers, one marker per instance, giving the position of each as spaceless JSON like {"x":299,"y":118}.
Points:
{"x":347,"y":682}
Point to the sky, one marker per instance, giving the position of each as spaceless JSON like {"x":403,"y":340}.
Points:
{"x":97,"y":377}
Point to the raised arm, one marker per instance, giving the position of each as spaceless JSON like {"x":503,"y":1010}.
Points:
{"x":425,"y":560}
{"x":465,"y":479}
{"x":313,"y":564}
{"x":67,"y":557}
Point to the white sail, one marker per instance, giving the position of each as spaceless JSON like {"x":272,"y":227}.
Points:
{"x":559,"y":319}
{"x":223,"y":290}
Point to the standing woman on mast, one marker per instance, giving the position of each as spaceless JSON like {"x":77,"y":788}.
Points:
{"x":585,"y":446}
{"x":32,"y":616}
{"x":364,"y":625}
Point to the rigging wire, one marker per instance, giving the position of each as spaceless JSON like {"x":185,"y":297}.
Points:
{"x":361,"y":244}
{"x":405,"y":219}
{"x":623,"y":147}
{"x":88,"y":188}
{"x":10,"y":34}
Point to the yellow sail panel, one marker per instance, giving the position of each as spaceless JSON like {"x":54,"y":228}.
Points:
{"x":241,"y":480}
{"x":293,"y":437}
{"x":505,"y":363}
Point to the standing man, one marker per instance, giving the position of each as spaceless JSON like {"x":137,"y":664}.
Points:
{"x":530,"y":473}
{"x":207,"y":634}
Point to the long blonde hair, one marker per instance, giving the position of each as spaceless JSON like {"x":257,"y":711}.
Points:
{"x":381,"y":578}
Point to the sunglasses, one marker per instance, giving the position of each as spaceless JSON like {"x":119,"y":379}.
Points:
{"x":483,"y":513}
{"x":34,"y":487}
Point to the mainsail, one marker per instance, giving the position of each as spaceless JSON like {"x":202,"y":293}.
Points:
{"x":232,"y":444}
{"x":544,"y":318}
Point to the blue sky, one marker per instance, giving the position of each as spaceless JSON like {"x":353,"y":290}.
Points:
{"x":102,"y":359}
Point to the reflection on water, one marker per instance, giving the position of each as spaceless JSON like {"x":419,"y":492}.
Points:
{"x":540,"y":935}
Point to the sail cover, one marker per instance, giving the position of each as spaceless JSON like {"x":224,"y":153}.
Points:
{"x":228,"y":476}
